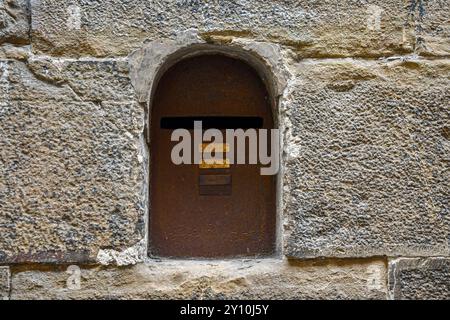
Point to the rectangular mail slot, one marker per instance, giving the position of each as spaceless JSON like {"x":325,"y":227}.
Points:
{"x":208,"y":122}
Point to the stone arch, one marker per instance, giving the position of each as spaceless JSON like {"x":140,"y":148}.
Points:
{"x":155,"y":58}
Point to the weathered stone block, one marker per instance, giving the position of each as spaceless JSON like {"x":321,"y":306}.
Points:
{"x":367,"y":159}
{"x":43,"y":79}
{"x":72,"y":159}
{"x":92,"y":80}
{"x":420,"y":278}
{"x":14,"y":21}
{"x":4,"y":283}
{"x":17,"y":82}
{"x":311,"y":28}
{"x":251,"y":279}
{"x":72,"y":179}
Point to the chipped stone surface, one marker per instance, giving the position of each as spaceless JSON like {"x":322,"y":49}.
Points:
{"x":18,"y":83}
{"x":14,"y":22}
{"x":42,"y":79}
{"x":367,"y":164}
{"x":420,"y":278}
{"x":10,"y":51}
{"x":4,"y":283}
{"x":429,"y":19}
{"x":129,"y":256}
{"x":251,"y":279}
{"x":312,"y":28}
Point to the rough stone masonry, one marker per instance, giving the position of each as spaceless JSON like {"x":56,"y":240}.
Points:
{"x":362,"y":89}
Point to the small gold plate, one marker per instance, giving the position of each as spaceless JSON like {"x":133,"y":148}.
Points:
{"x":216,"y":147}
{"x":214,"y":164}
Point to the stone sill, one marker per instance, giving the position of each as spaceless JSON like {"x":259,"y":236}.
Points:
{"x":198,"y":279}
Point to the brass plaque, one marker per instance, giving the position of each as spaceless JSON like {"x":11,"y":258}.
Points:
{"x":214,"y":164}
{"x":216,"y":147}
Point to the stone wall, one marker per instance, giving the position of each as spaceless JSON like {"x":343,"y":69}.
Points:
{"x":362,"y":88}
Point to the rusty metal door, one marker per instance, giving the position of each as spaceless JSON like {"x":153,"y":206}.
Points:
{"x":204,"y":211}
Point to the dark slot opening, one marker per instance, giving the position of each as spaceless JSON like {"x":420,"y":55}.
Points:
{"x":209,"y":122}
